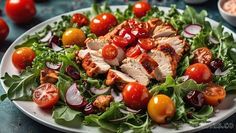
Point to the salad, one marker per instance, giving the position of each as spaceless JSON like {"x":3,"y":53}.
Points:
{"x":126,"y":70}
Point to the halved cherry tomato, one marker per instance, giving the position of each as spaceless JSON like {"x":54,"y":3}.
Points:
{"x":135,"y":96}
{"x":109,"y":52}
{"x":20,"y":11}
{"x":161,"y":108}
{"x":79,"y":19}
{"x":101,"y":24}
{"x":141,"y":8}
{"x":4,"y":30}
{"x":140,"y":32}
{"x":133,"y":52}
{"x":146,"y":43}
{"x":73,"y":36}
{"x":126,"y":33}
{"x":120,"y":41}
{"x":46,"y":95}
{"x":23,"y":57}
{"x":199,"y":72}
{"x":214,"y":94}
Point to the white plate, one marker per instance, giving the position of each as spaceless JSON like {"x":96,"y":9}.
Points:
{"x":224,"y":110}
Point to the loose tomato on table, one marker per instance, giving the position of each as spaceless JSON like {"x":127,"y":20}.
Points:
{"x":199,"y":72}
{"x":23,"y":57}
{"x":214,"y":94}
{"x":135,"y":95}
{"x":73,"y":36}
{"x":20,"y":11}
{"x":109,"y":51}
{"x":4,"y":30}
{"x":146,"y":43}
{"x":46,"y":95}
{"x":141,"y":8}
{"x":80,"y":19}
{"x":102,"y":23}
{"x":161,"y":108}
{"x":133,"y":52}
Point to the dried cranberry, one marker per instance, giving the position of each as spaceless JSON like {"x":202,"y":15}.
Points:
{"x":195,"y":98}
{"x":72,"y":72}
{"x":215,"y":64}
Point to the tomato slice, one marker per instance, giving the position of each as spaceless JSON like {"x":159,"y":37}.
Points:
{"x":146,"y":43}
{"x":109,"y":52}
{"x":126,"y":33}
{"x":120,"y":41}
{"x":214,"y":94}
{"x":46,"y":95}
{"x":133,"y":52}
{"x":140,"y":32}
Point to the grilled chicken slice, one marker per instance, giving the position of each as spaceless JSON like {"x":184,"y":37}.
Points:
{"x":178,"y":44}
{"x":166,"y":48}
{"x":95,"y":44}
{"x":94,"y":65}
{"x":118,"y":78}
{"x":164,"y":30}
{"x":48,"y":76}
{"x":166,"y":64}
{"x":154,"y":22}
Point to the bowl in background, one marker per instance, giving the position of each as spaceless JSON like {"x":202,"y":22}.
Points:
{"x":230,"y":18}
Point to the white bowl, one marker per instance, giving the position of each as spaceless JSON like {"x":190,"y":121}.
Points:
{"x":195,"y":1}
{"x":231,"y":19}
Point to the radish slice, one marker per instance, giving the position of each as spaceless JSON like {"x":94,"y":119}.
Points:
{"x":213,"y":40}
{"x":99,"y":91}
{"x":117,"y":98}
{"x":53,"y":66}
{"x":47,"y":37}
{"x":74,"y":98}
{"x":218,"y":72}
{"x":56,"y":48}
{"x":132,"y":110}
{"x":193,"y":29}
{"x":187,"y":35}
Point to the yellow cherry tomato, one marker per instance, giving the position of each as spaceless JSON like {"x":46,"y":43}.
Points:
{"x":73,"y":36}
{"x":161,"y":108}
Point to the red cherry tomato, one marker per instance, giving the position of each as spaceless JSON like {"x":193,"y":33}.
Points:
{"x":199,"y":72}
{"x":46,"y":95}
{"x":146,"y":43}
{"x":109,"y":52}
{"x":20,"y":11}
{"x":140,"y":32}
{"x":135,"y":96}
{"x":80,"y":19}
{"x":126,"y":33}
{"x":133,"y":52}
{"x":4,"y":30}
{"x":23,"y":57}
{"x":214,"y":94}
{"x":101,"y":24}
{"x":141,"y":8}
{"x":120,"y":41}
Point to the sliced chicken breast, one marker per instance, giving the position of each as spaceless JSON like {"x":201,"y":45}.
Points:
{"x":178,"y":44}
{"x":94,"y":65}
{"x":165,"y":64}
{"x":164,"y":30}
{"x":118,"y":78}
{"x":95,"y":44}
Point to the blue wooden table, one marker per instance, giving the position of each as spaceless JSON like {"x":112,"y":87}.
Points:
{"x":14,"y":121}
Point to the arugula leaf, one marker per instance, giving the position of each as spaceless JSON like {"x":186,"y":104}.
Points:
{"x":153,"y":13}
{"x":3,"y":97}
{"x":143,"y":128}
{"x":183,"y":65}
{"x":20,"y":87}
{"x":63,"y":83}
{"x":29,"y":42}
{"x":65,"y":115}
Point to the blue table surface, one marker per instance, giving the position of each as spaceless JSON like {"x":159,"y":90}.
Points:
{"x":13,"y":120}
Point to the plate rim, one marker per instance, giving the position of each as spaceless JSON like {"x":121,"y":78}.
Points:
{"x":64,"y":128}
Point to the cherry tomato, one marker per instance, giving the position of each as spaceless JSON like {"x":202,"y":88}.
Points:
{"x":80,"y":19}
{"x":214,"y":94}
{"x":46,"y":95}
{"x":133,"y":52}
{"x":146,"y":43}
{"x":199,"y":72}
{"x":140,"y":32}
{"x":141,"y":8}
{"x":101,"y":24}
{"x":109,"y":52}
{"x":126,"y":33}
{"x":23,"y":57}
{"x":73,"y":36}
{"x":161,"y":108}
{"x":120,"y":41}
{"x":20,"y":11}
{"x":4,"y":30}
{"x":135,"y":95}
